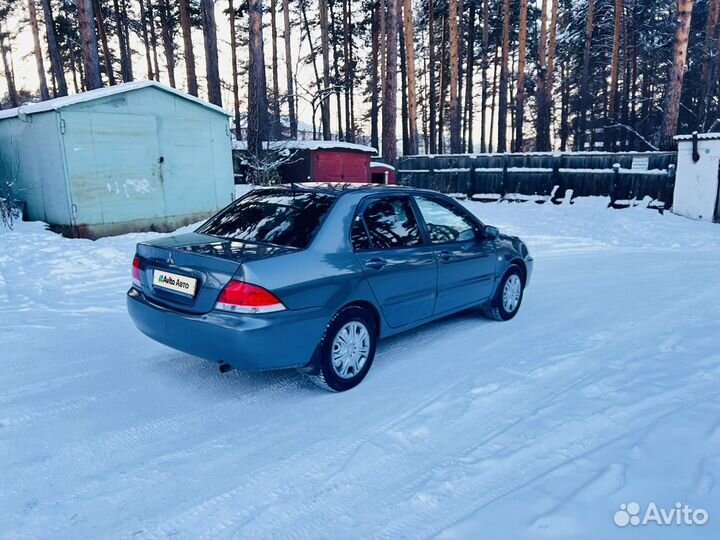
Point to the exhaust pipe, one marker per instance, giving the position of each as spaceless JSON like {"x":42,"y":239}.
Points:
{"x":225,"y":367}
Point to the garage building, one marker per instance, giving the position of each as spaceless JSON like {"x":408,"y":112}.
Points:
{"x":132,"y":157}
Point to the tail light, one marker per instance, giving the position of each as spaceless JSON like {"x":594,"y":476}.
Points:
{"x":242,"y":297}
{"x":136,"y":272}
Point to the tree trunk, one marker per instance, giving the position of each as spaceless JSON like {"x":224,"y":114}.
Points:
{"x":167,"y":36}
{"x":288,"y":70}
{"x":257,"y":88}
{"x":125,"y":60}
{"x":313,"y":58}
{"x":564,"y":107}
{"x":550,"y":79}
{"x":403,"y":86}
{"x":336,"y":73}
{"x":411,"y":81}
{"x":520,"y":93}
{"x":188,"y":45}
{"x":485,"y":67}
{"x":542,"y":129}
{"x":424,"y":99}
{"x":146,"y":40}
{"x":207,"y":13}
{"x":432,"y":90}
{"x":102,"y":34}
{"x":56,"y":64}
{"x":73,"y":69}
{"x":493,"y":100}
{"x":712,"y":36}
{"x":126,"y":29}
{"x":469,"y":73}
{"x":153,"y":39}
{"x":325,"y":51}
{"x":9,"y":75}
{"x":389,"y":100}
{"x":347,"y":47}
{"x":444,"y":61}
{"x":614,"y":74}
{"x":234,"y":60}
{"x":88,"y":44}
{"x":383,"y":41}
{"x":32,"y":14}
{"x":503,"y":97}
{"x":374,"y":105}
{"x":585,"y":78}
{"x":276,"y":127}
{"x":677,"y":70}
{"x":454,"y":74}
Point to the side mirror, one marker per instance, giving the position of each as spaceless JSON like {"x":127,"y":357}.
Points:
{"x":490,"y":232}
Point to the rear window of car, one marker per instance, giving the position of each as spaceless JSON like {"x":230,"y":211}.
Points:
{"x":283,"y":217}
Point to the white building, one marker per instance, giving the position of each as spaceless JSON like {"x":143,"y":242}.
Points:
{"x":697,"y":181}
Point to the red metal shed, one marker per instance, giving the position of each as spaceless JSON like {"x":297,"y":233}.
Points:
{"x":327,"y":161}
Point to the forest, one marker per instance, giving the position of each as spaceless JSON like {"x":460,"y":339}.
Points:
{"x":405,"y":76}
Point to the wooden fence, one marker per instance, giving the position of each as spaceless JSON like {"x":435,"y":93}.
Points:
{"x":623,"y":177}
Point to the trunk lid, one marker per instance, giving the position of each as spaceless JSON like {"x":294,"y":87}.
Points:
{"x":210,"y":261}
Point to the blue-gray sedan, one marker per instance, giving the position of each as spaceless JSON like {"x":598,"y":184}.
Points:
{"x":312,"y":275}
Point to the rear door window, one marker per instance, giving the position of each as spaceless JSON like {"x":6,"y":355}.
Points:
{"x":391,"y":223}
{"x":358,"y":234}
{"x":278,"y":217}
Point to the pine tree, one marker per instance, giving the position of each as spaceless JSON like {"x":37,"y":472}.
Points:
{"x":454,"y":76}
{"x":411,"y":80}
{"x":504,"y":75}
{"x":207,"y":14}
{"x":520,"y":94}
{"x":186,"y":25}
{"x":89,"y":44}
{"x":389,"y":99}
{"x":257,"y":122}
{"x":37,"y":50}
{"x":290,"y":96}
{"x":677,"y":71}
{"x":56,"y":61}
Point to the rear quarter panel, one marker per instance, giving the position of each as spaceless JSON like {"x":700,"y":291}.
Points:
{"x":326,"y":274}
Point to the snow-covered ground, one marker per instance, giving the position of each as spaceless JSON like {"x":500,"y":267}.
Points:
{"x":604,"y":390}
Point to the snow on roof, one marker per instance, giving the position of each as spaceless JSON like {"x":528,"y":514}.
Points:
{"x":700,"y":136}
{"x":308,"y":145}
{"x":381,"y":164}
{"x":65,"y":101}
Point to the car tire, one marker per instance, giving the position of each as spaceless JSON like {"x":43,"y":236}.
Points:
{"x":347,"y":350}
{"x":508,"y":297}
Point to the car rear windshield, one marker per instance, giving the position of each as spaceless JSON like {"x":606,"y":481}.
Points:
{"x":278,"y":217}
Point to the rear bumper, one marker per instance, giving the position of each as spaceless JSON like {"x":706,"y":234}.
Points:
{"x":247,"y":342}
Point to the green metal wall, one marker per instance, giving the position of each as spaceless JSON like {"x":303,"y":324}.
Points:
{"x":141,"y":160}
{"x":31,"y":153}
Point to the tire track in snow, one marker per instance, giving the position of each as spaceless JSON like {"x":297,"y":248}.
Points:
{"x":287,"y":473}
{"x":299,"y":525}
{"x":92,"y":456}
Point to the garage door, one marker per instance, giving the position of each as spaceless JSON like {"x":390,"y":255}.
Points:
{"x":333,"y":166}
{"x":186,"y":145}
{"x":113,"y":166}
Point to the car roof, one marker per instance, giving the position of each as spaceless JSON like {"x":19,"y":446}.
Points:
{"x":341,"y":188}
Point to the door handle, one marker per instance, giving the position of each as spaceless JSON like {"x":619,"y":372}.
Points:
{"x":376,"y":263}
{"x":445,"y":255}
